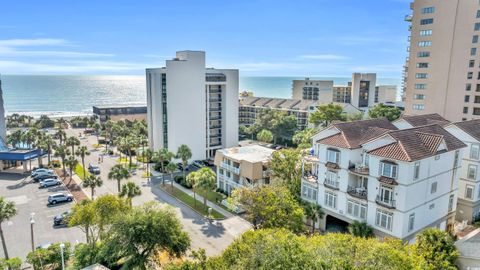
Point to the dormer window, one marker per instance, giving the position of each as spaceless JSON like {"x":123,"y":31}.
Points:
{"x":333,"y":156}
{"x":388,"y":169}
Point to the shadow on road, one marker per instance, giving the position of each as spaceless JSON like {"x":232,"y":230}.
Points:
{"x":211,"y":229}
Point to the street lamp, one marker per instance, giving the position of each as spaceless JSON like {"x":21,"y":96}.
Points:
{"x":62,"y":246}
{"x":32,"y":222}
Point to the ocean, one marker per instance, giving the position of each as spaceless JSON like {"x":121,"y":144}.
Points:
{"x":68,"y":95}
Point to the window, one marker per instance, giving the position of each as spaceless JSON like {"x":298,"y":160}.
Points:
{"x":384,"y":219}
{"x":426,"y":21}
{"x":468,"y":87}
{"x":309,"y":193}
{"x":420,"y":86}
{"x":388,"y":169}
{"x":477,"y":27}
{"x":466,"y":98}
{"x":416,"y":170}
{"x":475,"y":151}
{"x":469,"y":75}
{"x":423,"y":54}
{"x":469,"y":192}
{"x":356,"y":209}
{"x":476,"y":111}
{"x":331,"y":178}
{"x":477,"y":99}
{"x":471,"y":63}
{"x":465,"y":110}
{"x":450,"y":202}
{"x":428,"y":10}
{"x":473,"y":51}
{"x":475,"y":39}
{"x":433,"y":188}
{"x":330,"y":200}
{"x":425,"y":32}
{"x":421,"y":107}
{"x":411,"y":221}
{"x":333,"y":156}
{"x":422,"y":65}
{"x":419,"y":96}
{"x":424,"y":43}
{"x":456,"y":159}
{"x":472,"y":172}
{"x":477,"y":89}
{"x":421,"y":75}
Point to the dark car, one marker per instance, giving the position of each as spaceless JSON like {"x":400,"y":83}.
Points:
{"x":62,"y":219}
{"x":180,"y":167}
{"x":93,"y":168}
{"x":44,"y":176}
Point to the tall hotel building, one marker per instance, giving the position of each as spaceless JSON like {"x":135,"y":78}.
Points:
{"x":190,"y":104}
{"x":442,"y":71}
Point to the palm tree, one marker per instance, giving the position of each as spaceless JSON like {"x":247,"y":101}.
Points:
{"x":15,"y":138}
{"x":72,"y":142}
{"x":170,"y":168}
{"x":97,"y":127}
{"x":92,"y":182}
{"x":360,"y":229}
{"x":313,"y":212}
{"x":184,"y":153}
{"x":192,"y":181}
{"x":82,"y":152}
{"x":118,"y":173}
{"x":72,"y":163}
{"x":131,"y":144}
{"x":147,"y":156}
{"x":130,"y":190}
{"x":62,"y":152}
{"x":62,"y":136}
{"x":61,"y":123}
{"x":47,"y":143}
{"x":163,"y":155}
{"x":7,"y":211}
{"x":205,"y":180}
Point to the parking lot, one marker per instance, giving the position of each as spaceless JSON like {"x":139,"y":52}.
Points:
{"x":30,"y":199}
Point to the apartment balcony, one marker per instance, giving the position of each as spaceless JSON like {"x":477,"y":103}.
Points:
{"x":215,"y":127}
{"x":218,"y":135}
{"x":331,"y":184}
{"x":215,"y":144}
{"x":215,"y":77}
{"x":230,"y":181}
{"x":359,"y":168}
{"x":215,"y":99}
{"x":357,"y":192}
{"x":386,"y":202}
{"x":215,"y":118}
{"x":310,"y":178}
{"x":408,"y":18}
{"x":311,"y":159}
{"x":231,"y":168}
{"x":215,"y":109}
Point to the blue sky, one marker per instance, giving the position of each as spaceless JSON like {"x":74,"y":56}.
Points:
{"x":259,"y":37}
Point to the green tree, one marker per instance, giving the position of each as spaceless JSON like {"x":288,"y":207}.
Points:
{"x":7,"y":211}
{"x":326,"y":114}
{"x":62,"y":152}
{"x":437,"y":248}
{"x":11,"y":264}
{"x":380,"y":110}
{"x":205,"y":180}
{"x":270,"y":206}
{"x":303,"y":138}
{"x":135,"y":237}
{"x":147,"y":156}
{"x":265,"y":136}
{"x":162,"y":156}
{"x":118,"y":173}
{"x":360,"y":229}
{"x":61,"y":135}
{"x":47,"y":144}
{"x":61,"y":123}
{"x":130,"y":190}
{"x":313,"y":212}
{"x":170,"y":168}
{"x":82,"y":152}
{"x":284,"y":127}
{"x":72,"y":142}
{"x":83,"y":216}
{"x":92,"y":182}
{"x":49,"y":258}
{"x":184,"y":153}
{"x":72,"y":163}
{"x":15,"y":138}
{"x":107,"y":209}
{"x":192,"y":181}
{"x":97,"y":127}
{"x":285,"y":166}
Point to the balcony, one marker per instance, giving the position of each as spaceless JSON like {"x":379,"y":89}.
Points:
{"x":212,"y":118}
{"x":311,"y":159}
{"x":215,"y":109}
{"x":311,"y":178}
{"x":231,"y":168}
{"x":214,"y":99}
{"x":357,"y":192}
{"x":219,"y":135}
{"x":408,"y":18}
{"x":215,"y":126}
{"x":215,"y":77}
{"x":331,"y":184}
{"x":386,"y":202}
{"x":359,"y":168}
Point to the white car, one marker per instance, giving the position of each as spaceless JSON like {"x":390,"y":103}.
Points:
{"x":41,"y":171}
{"x":50,"y":182}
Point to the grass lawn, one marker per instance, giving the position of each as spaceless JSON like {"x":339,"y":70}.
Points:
{"x":79,"y":172}
{"x":187,"y":199}
{"x":216,"y":198}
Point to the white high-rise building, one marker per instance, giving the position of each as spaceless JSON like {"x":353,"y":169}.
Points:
{"x":190,"y":104}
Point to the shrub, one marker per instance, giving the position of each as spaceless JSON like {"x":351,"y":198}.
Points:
{"x":180,"y":180}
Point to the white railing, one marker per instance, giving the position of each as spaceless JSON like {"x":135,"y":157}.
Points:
{"x":230,"y":168}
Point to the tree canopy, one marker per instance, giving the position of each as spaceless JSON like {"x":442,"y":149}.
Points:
{"x":380,"y":110}
{"x":327,"y":113}
{"x":285,"y":166}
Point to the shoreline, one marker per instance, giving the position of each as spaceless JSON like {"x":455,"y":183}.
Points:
{"x":52,"y":115}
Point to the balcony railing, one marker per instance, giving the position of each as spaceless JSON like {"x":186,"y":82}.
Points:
{"x":359,"y":168}
{"x":386,"y":202}
{"x":216,"y":109}
{"x":230,"y":168}
{"x":214,"y":99}
{"x":331,"y":183}
{"x":215,"y":126}
{"x":358,"y":192}
{"x":310,"y":178}
{"x":408,"y":18}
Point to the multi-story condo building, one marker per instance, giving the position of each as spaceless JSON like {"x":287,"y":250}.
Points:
{"x":385,"y":94}
{"x":251,"y":107}
{"x":312,"y":90}
{"x":363,"y":90}
{"x":120,"y":112}
{"x":397,"y":181}
{"x":193,"y":105}
{"x":468,"y":206}
{"x":443,"y":73}
{"x":342,"y":94}
{"x":242,"y":166}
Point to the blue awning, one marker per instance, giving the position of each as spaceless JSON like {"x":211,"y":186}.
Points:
{"x":20,"y":155}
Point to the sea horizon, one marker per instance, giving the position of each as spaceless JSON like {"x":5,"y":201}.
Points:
{"x":66,"y":95}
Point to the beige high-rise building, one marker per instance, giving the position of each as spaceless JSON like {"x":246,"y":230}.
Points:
{"x":312,"y":90}
{"x":442,"y":71}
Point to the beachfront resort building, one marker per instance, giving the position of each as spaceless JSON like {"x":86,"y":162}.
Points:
{"x":441,"y":72}
{"x":251,"y":108}
{"x":312,"y":89}
{"x":242,"y":167}
{"x":190,"y":104}
{"x":120,"y":112}
{"x":468,"y":207}
{"x":399,"y":181}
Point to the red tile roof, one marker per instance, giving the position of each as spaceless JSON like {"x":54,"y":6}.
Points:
{"x":425,"y":119}
{"x":471,"y":127}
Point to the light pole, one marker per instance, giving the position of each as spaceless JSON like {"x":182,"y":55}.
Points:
{"x":62,"y":246}
{"x":32,"y":222}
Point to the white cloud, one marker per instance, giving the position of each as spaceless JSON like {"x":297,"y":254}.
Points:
{"x":324,"y":57}
{"x":32,"y":42}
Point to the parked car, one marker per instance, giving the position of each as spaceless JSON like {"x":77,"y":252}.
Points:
{"x":59,"y":197}
{"x":44,"y":246}
{"x":93,"y":168}
{"x":180,"y":166}
{"x":62,"y":219}
{"x":50,"y":182}
{"x":198,"y":163}
{"x":40,"y":171}
{"x":44,"y":176}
